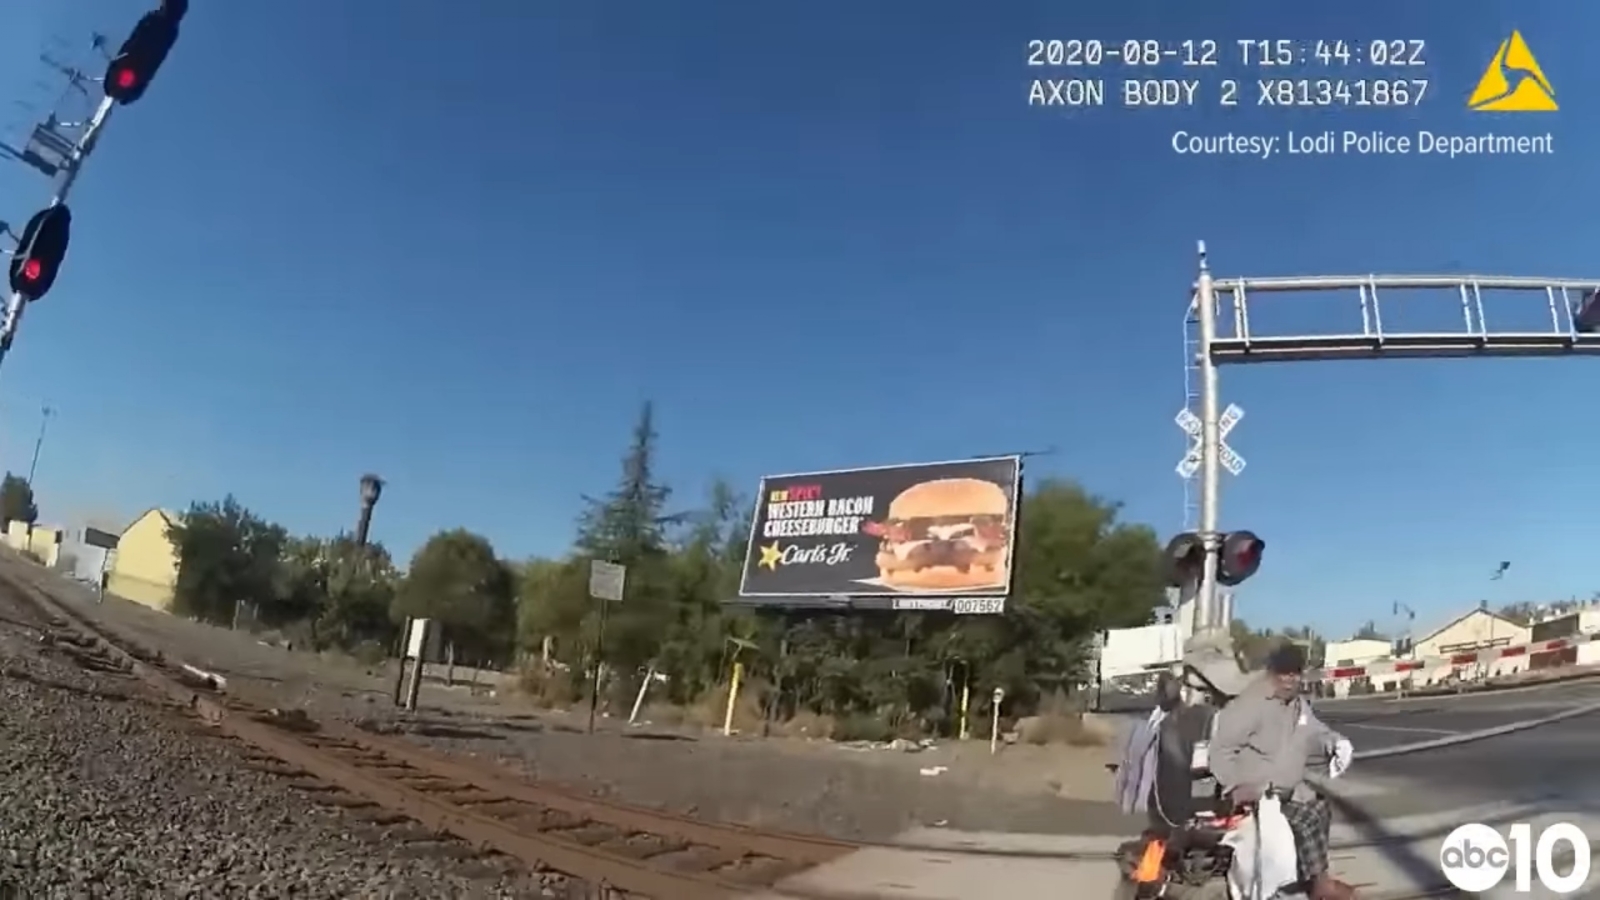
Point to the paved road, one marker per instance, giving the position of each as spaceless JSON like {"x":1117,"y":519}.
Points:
{"x":1550,"y":760}
{"x":1386,"y":723}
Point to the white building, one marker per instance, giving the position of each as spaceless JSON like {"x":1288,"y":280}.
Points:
{"x":1356,"y":651}
{"x":1359,"y":652}
{"x":1136,"y":651}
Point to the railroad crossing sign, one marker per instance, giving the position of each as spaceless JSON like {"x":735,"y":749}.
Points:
{"x":1191,"y":425}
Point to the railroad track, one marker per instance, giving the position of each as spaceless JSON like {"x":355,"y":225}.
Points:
{"x":623,"y":850}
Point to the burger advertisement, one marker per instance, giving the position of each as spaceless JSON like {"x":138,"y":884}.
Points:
{"x":936,"y":531}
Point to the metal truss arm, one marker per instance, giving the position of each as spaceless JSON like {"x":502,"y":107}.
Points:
{"x":1236,"y":342}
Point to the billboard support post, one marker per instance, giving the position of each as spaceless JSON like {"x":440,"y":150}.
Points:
{"x":772,"y":709}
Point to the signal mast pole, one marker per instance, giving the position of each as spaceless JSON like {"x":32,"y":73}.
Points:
{"x":42,"y":247}
{"x":12,"y":319}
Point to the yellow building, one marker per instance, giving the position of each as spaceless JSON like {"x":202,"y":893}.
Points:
{"x":42,"y":541}
{"x":144,"y":567}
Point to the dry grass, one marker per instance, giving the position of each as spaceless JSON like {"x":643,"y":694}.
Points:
{"x":1061,"y":728}
{"x":808,"y":724}
{"x":546,"y":686}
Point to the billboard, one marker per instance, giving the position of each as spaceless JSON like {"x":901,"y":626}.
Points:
{"x":927,"y":536}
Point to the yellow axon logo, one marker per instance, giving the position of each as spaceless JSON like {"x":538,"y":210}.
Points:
{"x":1513,"y":82}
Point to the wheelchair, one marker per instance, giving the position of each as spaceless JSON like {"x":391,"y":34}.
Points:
{"x":1181,"y":855}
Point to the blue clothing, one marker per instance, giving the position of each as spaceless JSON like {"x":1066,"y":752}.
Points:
{"x":1136,"y":770}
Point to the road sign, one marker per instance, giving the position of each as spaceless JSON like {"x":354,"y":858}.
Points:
{"x":1231,"y":461}
{"x":1189,"y":422}
{"x":606,"y":580}
{"x":1229,"y":418}
{"x":1192,"y":426}
{"x":94,"y":537}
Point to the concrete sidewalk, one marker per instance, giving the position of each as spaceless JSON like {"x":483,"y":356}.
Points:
{"x":1386,"y":860}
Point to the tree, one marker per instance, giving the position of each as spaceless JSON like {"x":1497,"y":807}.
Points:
{"x":1079,"y":570}
{"x":456,"y":579}
{"x":343,"y":591}
{"x":1369,"y":632}
{"x":16,"y":500}
{"x":630,"y":526}
{"x":630,"y":523}
{"x":229,"y":556}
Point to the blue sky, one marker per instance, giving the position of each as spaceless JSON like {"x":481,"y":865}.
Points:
{"x":459,"y":244}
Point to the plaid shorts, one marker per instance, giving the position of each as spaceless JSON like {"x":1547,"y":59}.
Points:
{"x":1310,"y":822}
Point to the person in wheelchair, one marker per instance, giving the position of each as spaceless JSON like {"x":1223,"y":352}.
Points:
{"x":1264,"y":743}
{"x":1182,"y":786}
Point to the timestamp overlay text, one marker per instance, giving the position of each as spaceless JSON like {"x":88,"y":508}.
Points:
{"x":1273,"y":97}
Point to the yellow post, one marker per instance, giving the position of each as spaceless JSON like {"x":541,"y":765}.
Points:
{"x":733,"y":697}
{"x":966,"y":704}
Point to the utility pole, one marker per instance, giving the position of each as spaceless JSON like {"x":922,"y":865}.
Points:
{"x":42,"y":246}
{"x":45,"y":413}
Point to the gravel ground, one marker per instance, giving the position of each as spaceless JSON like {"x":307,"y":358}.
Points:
{"x":792,"y":785}
{"x":109,"y":793}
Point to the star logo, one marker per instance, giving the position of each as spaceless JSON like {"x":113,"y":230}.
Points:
{"x":770,"y":556}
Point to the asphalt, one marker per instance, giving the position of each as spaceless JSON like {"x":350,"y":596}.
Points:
{"x":1551,"y":760}
{"x":1385,"y":723}
{"x":1525,"y":766}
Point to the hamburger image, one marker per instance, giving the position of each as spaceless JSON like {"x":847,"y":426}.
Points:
{"x":944,"y":535}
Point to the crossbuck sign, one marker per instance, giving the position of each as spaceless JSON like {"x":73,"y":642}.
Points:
{"x":1191,"y":425}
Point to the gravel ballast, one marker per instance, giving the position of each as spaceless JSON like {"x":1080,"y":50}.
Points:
{"x":871,"y":795}
{"x":107,"y":792}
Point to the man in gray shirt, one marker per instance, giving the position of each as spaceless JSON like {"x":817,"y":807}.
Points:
{"x":1264,"y":743}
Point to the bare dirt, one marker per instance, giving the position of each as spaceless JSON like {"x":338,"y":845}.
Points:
{"x":786,"y":783}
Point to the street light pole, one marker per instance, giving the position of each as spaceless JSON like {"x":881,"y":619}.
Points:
{"x":371,"y":490}
{"x":45,"y":413}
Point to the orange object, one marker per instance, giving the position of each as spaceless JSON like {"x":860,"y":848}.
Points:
{"x":1150,"y":863}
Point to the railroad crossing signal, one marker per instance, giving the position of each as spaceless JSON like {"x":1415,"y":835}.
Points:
{"x":40,"y":251}
{"x":1192,"y":426}
{"x":141,"y":55}
{"x":1184,"y":559}
{"x":1587,"y":317}
{"x":1238,"y":558}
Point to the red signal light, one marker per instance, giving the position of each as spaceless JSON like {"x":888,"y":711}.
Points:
{"x":1247,"y":554}
{"x":32,"y":269}
{"x":126,"y":78}
{"x":1241,"y":557}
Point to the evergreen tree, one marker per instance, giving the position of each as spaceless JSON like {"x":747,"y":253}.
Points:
{"x":629,"y":524}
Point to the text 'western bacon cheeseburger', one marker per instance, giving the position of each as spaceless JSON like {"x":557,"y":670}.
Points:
{"x":949,"y":534}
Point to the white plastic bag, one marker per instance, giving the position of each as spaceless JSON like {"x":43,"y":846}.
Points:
{"x":1263,"y":854}
{"x":1343,"y":755}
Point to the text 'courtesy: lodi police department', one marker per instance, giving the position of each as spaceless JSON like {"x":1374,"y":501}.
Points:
{"x":1360,"y":143}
